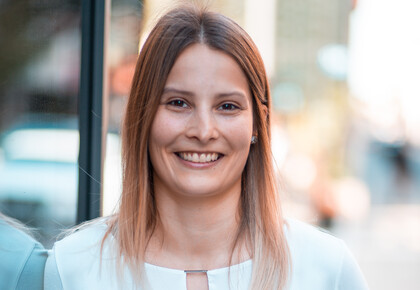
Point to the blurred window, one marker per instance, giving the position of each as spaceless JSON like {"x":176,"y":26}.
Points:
{"x":39,"y":140}
{"x":40,"y":68}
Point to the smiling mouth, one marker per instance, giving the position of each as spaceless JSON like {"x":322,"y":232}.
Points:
{"x":199,"y":157}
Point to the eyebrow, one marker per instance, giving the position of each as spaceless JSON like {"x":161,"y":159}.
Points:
{"x":188,"y":93}
{"x":173,"y":90}
{"x":234,"y":93}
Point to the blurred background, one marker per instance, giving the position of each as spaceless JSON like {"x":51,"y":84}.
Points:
{"x":346,"y":130}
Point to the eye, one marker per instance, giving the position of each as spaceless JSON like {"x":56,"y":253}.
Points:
{"x":228,"y":107}
{"x":178,"y":103}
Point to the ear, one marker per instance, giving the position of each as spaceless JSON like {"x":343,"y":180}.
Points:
{"x":264,"y":116}
{"x":254,"y":130}
{"x":265,"y":112}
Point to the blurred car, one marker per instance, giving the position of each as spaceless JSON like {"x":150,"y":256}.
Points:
{"x":39,"y":171}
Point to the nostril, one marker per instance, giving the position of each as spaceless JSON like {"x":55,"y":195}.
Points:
{"x":202,"y":126}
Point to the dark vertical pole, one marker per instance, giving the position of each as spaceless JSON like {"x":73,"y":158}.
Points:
{"x":90,"y":109}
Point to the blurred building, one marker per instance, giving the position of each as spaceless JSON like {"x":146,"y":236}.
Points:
{"x":311,"y":41}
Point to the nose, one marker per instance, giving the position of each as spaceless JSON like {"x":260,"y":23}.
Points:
{"x":202,"y":126}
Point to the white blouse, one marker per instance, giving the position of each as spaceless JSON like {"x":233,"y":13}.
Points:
{"x":319,"y":262}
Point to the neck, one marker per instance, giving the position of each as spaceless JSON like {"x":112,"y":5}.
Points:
{"x":196,"y":233}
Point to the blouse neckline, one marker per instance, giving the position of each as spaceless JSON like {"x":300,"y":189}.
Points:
{"x":222,"y":270}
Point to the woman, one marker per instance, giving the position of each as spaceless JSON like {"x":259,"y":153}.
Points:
{"x":22,"y":259}
{"x":199,"y":208}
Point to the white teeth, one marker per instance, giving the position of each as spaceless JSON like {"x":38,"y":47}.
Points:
{"x":202,"y":158}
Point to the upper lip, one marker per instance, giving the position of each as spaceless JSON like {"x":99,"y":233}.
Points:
{"x":199,"y":157}
{"x":198,"y":152}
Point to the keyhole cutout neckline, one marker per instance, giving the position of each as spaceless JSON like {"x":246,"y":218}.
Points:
{"x":235,"y":277}
{"x":197,"y":280}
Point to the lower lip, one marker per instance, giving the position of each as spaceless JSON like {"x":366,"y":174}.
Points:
{"x":197,"y":165}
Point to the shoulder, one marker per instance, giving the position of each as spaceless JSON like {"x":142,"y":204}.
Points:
{"x":84,"y":243}
{"x":310,"y":246}
{"x":83,"y":237}
{"x":305,"y":237}
{"x":319,"y":260}
{"x":83,"y":261}
{"x":22,"y":258}
{"x":15,"y":237}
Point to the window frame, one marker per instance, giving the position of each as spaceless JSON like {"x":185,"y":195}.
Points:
{"x":92,"y":108}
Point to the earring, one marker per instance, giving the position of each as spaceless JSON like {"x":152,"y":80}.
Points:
{"x":254,"y":139}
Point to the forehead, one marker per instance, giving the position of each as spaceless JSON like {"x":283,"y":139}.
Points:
{"x":203,"y":68}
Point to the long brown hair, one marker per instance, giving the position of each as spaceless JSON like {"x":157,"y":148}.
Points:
{"x":261,"y":216}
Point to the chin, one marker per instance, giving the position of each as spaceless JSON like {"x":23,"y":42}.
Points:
{"x":198,"y":191}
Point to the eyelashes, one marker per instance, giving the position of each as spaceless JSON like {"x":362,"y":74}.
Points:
{"x":228,"y":107}
{"x":178,"y":103}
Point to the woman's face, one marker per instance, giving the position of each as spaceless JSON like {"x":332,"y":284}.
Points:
{"x":200,"y":137}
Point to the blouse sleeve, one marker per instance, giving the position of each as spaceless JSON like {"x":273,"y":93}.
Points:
{"x":32,"y":273}
{"x":52,"y":279}
{"x":350,"y":276}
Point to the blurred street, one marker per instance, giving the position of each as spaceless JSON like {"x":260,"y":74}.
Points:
{"x":386,"y":245}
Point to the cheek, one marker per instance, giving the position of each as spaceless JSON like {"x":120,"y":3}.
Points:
{"x":162,"y":134}
{"x":238,"y":134}
{"x":164,"y":130}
